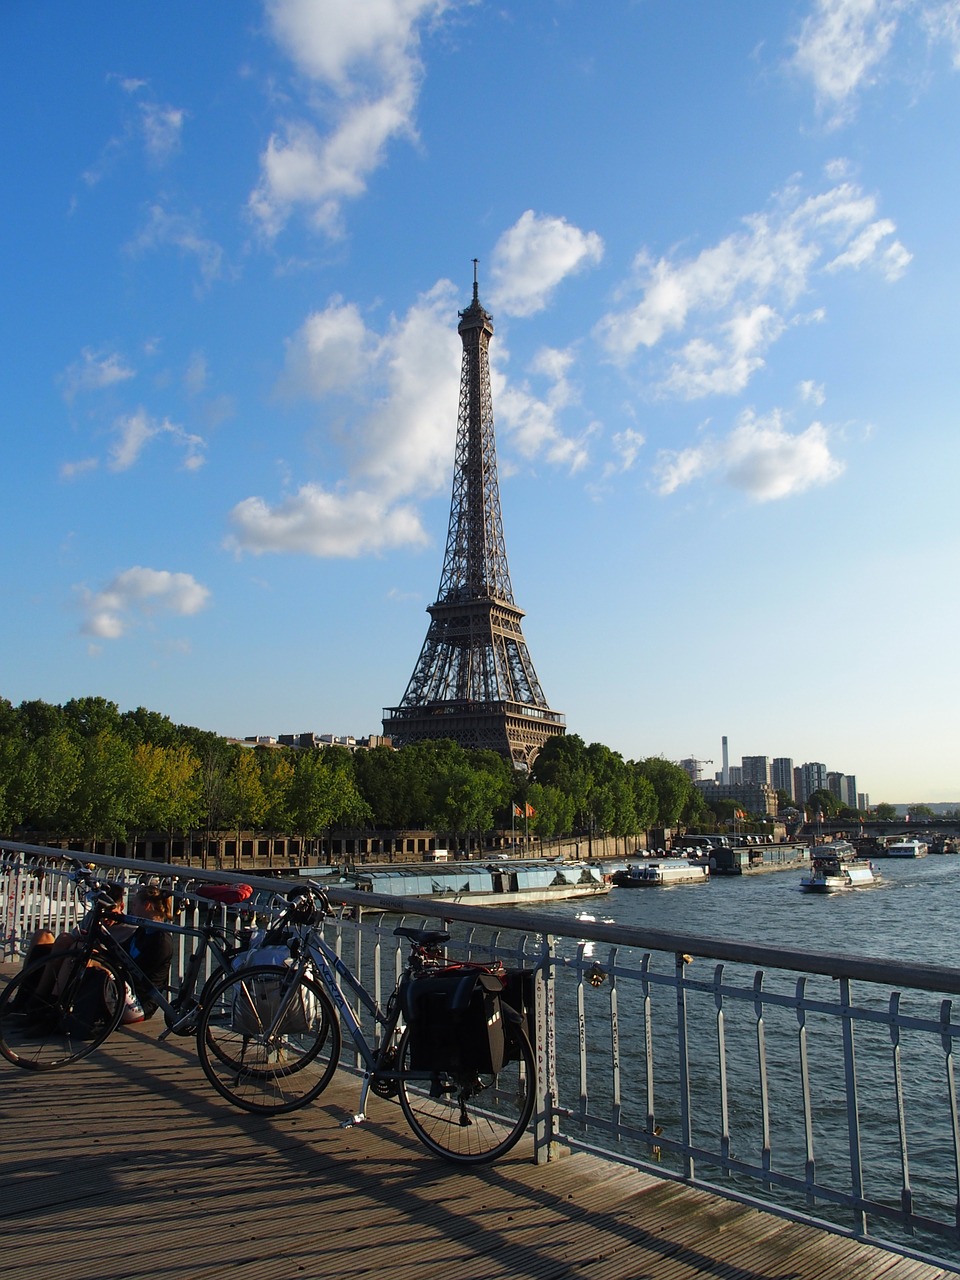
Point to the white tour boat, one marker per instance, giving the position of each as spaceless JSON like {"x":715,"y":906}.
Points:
{"x":661,"y":871}
{"x":834,"y":869}
{"x":906,"y":849}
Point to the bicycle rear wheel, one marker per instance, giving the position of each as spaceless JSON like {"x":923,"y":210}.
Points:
{"x":268,"y":1041}
{"x":470,"y":1118}
{"x":43,"y":1032}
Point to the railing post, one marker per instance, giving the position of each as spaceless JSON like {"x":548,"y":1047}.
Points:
{"x":545,"y":1051}
{"x":722,"y":1068}
{"x":906,"y":1192}
{"x":681,"y":961}
{"x":947,"y":1041}
{"x":809,"y":1164}
{"x":762,"y":1072}
{"x":853,"y":1110}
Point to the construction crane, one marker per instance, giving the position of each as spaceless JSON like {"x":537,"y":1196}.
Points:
{"x":694,"y":764}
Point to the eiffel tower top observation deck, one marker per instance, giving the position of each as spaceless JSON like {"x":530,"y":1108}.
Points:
{"x":474,"y":681}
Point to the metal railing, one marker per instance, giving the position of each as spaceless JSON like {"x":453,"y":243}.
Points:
{"x":822,"y":1086}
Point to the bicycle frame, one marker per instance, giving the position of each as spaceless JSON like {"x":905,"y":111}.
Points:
{"x":210,"y":937}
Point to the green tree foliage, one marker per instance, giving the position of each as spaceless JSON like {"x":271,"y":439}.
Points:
{"x":824,"y":802}
{"x":87,"y":770}
{"x":672,"y":786}
{"x":886,"y":812}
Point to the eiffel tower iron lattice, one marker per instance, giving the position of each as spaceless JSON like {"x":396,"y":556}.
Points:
{"x":474,"y":681}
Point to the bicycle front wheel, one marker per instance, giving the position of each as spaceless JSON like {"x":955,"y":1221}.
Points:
{"x":268,"y":1041}
{"x":470,"y":1118}
{"x":59,"y":1009}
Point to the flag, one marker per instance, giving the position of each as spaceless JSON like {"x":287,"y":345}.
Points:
{"x":517,"y":811}
{"x":531,"y":811}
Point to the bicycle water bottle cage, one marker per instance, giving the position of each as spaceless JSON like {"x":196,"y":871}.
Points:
{"x":227,"y":895}
{"x":422,"y":937}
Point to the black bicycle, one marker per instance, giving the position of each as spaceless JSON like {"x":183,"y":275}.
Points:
{"x":451,"y":1045}
{"x":61,"y":1007}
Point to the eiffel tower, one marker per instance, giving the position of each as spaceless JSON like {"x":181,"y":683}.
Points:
{"x":474,"y":681}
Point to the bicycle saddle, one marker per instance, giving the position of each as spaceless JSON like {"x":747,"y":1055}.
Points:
{"x":228,"y":895}
{"x":424,"y":937}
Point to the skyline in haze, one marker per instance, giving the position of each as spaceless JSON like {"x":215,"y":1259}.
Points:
{"x":719,"y":246}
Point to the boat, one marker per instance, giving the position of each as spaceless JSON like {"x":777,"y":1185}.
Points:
{"x":661,"y":871}
{"x":906,"y":849}
{"x":834,"y":868}
{"x":506,"y":882}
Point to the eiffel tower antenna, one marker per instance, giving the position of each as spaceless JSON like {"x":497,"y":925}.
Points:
{"x":474,"y":681}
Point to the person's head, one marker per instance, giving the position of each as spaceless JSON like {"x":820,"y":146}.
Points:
{"x":152,"y":902}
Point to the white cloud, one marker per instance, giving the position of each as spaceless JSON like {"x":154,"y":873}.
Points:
{"x":760,"y":457}
{"x":363,"y":65}
{"x":94,"y":371}
{"x":164,"y":228}
{"x":532,"y":421}
{"x":942,"y":22}
{"x":332,"y":351}
{"x":390,"y":405}
{"x":70,"y":470}
{"x":134,"y":431}
{"x":717,"y":313}
{"x":532,"y":258}
{"x":842,"y":43}
{"x":812,"y":392}
{"x":162,"y":128}
{"x":139,"y":593}
{"x":195,"y":377}
{"x":320,"y":522}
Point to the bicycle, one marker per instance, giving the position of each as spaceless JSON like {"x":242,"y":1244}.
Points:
{"x":86,"y":1003}
{"x":269,"y":1040}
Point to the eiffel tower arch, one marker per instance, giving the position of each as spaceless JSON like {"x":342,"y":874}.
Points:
{"x":474,"y":681}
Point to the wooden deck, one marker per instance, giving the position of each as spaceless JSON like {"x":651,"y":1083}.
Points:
{"x":128,"y":1165}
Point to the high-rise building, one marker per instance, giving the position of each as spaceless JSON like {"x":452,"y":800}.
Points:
{"x":812,"y":777}
{"x":755,"y":770}
{"x":781,"y":776}
{"x":474,"y":681}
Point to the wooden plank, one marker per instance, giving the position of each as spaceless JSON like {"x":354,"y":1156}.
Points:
{"x":129,"y":1166}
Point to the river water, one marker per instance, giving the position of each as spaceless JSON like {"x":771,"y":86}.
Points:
{"x":911,"y":915}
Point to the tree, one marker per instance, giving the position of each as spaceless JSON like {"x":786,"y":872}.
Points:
{"x":246,"y":799}
{"x":277,"y":774}
{"x":672,"y":786}
{"x":103,"y":800}
{"x":886,"y":812}
{"x":563,"y":763}
{"x":167,"y":789}
{"x":920,"y":813}
{"x":824,"y":802}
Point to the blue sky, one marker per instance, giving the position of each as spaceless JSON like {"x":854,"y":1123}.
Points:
{"x":720,"y":245}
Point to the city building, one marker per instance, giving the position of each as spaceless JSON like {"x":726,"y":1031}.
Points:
{"x":781,"y":776}
{"x":756,"y":799}
{"x":755,"y":770}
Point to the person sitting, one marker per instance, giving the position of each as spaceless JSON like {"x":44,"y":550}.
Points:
{"x":149,"y":947}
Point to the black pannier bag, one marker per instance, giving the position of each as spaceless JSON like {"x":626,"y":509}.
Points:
{"x":456,"y":1022}
{"x":519,"y":994}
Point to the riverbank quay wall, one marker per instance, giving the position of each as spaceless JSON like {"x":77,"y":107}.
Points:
{"x":258,"y":850}
{"x":819,"y":1086}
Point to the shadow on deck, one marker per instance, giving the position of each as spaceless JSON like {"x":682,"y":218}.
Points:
{"x":128,"y":1165}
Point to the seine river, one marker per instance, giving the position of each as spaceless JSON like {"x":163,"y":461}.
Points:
{"x":913,"y":914}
